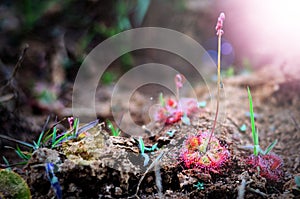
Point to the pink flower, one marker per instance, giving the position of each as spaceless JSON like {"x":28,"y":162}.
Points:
{"x":71,"y":122}
{"x":179,"y":80}
{"x":219,"y":25}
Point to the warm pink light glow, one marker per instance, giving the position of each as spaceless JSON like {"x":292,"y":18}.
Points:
{"x":265,"y":28}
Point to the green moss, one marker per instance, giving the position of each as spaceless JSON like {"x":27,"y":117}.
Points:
{"x":13,"y":186}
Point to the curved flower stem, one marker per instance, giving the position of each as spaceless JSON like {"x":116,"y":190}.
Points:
{"x":219,"y":33}
{"x":218,"y":94}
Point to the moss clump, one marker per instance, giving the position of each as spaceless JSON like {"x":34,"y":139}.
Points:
{"x":13,"y":186}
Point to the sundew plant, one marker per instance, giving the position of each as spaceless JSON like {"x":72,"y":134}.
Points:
{"x":268,"y":165}
{"x":220,"y":32}
{"x":204,"y":151}
{"x":175,"y":110}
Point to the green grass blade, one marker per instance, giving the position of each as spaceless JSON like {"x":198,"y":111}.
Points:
{"x":54,"y":134}
{"x":49,"y":135}
{"x":17,"y":141}
{"x":42,"y":133}
{"x":254,"y":131}
{"x":36,"y":146}
{"x":67,"y":134}
{"x":115,"y":131}
{"x":141,"y":145}
{"x":7,"y":163}
{"x":21,"y":154}
{"x":162,"y":100}
{"x":270,"y":147}
{"x":75,"y":127}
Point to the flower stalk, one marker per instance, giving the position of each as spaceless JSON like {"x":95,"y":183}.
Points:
{"x":220,"y":32}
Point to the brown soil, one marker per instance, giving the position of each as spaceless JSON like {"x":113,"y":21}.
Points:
{"x":102,"y":166}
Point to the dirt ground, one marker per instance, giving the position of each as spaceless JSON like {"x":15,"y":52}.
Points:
{"x":102,"y":166}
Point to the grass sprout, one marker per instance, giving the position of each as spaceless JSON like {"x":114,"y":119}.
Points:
{"x":46,"y":136}
{"x":162,"y":100}
{"x":253,"y":128}
{"x":115,"y":131}
{"x":256,"y":147}
{"x":142,"y":149}
{"x":268,"y":165}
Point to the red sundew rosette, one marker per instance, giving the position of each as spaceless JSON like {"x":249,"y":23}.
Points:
{"x":169,"y":113}
{"x":270,"y":165}
{"x":173,"y":110}
{"x":194,"y":156}
{"x":175,"y":117}
{"x":189,"y":158}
